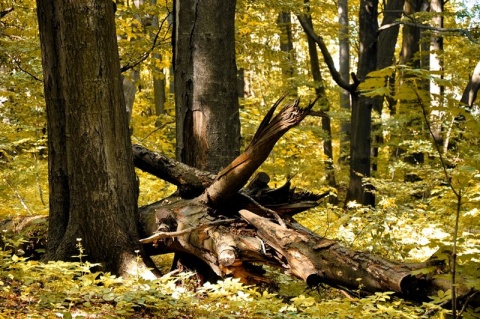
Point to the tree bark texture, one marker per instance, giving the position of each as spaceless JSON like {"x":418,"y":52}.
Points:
{"x":208,"y":125}
{"x":229,"y":246}
{"x":91,"y":172}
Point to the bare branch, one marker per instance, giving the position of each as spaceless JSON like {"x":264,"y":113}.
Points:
{"x":160,"y":235}
{"x":318,"y":114}
{"x":337,"y":77}
{"x":146,"y":54}
{"x":19,"y":66}
{"x":461,"y":32}
{"x":189,"y":180}
{"x":5,"y":12}
{"x":265,"y":209}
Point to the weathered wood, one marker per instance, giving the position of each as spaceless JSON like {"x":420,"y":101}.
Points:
{"x":284,"y":200}
{"x":232,"y":178}
{"x":231,"y":247}
{"x":190,"y":181}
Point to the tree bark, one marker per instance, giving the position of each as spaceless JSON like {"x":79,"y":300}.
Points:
{"x":91,"y":172}
{"x":208,"y":125}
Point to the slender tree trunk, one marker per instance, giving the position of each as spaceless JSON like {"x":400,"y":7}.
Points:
{"x":387,"y":40}
{"x":410,"y":36}
{"x":359,"y":190}
{"x":130,"y":90}
{"x":207,"y":109}
{"x":284,"y":23}
{"x":159,"y":94}
{"x":413,"y":54}
{"x":436,"y":68}
{"x":93,"y":189}
{"x":324,"y":104}
{"x":344,"y":69}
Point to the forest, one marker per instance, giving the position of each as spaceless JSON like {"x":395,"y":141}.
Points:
{"x":239,"y":159}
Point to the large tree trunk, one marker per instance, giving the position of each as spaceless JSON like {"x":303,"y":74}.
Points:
{"x":91,"y":172}
{"x":208,"y":125}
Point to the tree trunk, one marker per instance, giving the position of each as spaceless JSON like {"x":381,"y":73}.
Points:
{"x":436,"y":68}
{"x":159,"y":94}
{"x":344,"y":69}
{"x":284,"y":23}
{"x":413,"y":55}
{"x":387,"y":40}
{"x":324,"y":105}
{"x":208,"y":125}
{"x":361,"y":119}
{"x":130,"y":90}
{"x":91,"y":173}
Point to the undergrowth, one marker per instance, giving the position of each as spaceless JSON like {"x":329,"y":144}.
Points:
{"x":32,"y":289}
